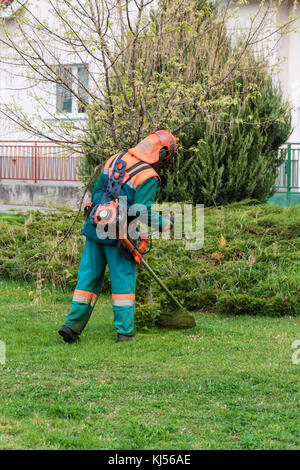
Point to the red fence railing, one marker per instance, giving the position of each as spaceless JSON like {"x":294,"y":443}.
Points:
{"x":38,"y":161}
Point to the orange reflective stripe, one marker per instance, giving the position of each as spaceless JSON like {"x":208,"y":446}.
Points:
{"x":122,"y":296}
{"x":84,"y":293}
{"x":123,"y":300}
{"x":94,"y":297}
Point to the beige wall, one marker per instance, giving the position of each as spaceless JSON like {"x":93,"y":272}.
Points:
{"x":286,"y":55}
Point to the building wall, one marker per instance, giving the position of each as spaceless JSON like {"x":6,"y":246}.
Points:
{"x":16,"y":88}
{"x":285,"y":55}
{"x":13,"y":84}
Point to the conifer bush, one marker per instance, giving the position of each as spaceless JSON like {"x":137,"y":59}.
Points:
{"x":235,"y":155}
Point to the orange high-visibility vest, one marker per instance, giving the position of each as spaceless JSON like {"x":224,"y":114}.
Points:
{"x":142,"y":170}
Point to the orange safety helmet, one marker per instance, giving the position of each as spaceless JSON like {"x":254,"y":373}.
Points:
{"x":159,"y":145}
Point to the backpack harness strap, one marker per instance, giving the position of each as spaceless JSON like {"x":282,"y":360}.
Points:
{"x":117,"y":177}
{"x":116,"y":174}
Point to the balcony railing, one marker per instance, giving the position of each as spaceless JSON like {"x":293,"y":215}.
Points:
{"x":289,"y":171}
{"x":38,"y":161}
{"x":44,"y":161}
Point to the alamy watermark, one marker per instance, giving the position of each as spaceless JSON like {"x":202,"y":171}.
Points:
{"x":296,"y":353}
{"x":2,"y":353}
{"x":188,"y":222}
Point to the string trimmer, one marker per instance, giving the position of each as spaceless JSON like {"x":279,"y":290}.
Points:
{"x":179,"y":319}
{"x":113,"y":213}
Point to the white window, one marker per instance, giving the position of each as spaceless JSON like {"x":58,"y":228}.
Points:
{"x":9,"y":7}
{"x":71,"y":94}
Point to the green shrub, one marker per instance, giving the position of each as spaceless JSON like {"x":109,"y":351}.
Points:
{"x":146,"y":311}
{"x":249,"y":264}
{"x":146,"y":314}
{"x":193,"y":298}
{"x":26,"y":248}
{"x":243,"y":304}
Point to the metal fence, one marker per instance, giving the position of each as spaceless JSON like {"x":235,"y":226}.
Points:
{"x":289,"y":171}
{"x":44,"y":161}
{"x":38,"y":161}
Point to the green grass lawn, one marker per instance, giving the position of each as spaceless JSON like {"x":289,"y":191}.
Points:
{"x":12,"y":218}
{"x":229,"y":383}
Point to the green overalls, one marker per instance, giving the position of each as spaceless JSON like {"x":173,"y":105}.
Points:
{"x":98,"y":253}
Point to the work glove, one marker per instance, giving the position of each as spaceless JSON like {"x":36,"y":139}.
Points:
{"x":89,"y":208}
{"x":92,"y":215}
{"x":89,"y":212}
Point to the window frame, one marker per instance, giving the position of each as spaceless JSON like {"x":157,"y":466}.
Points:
{"x":74,"y":114}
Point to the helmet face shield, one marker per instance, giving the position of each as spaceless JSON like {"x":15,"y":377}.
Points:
{"x":168,"y":141}
{"x":164,"y":154}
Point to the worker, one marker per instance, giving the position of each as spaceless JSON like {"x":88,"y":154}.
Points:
{"x":131,"y":174}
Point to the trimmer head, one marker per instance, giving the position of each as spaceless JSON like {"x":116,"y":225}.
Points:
{"x":180,"y":319}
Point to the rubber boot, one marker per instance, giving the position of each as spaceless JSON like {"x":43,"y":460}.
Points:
{"x":122,"y":338}
{"x":69,"y":336}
